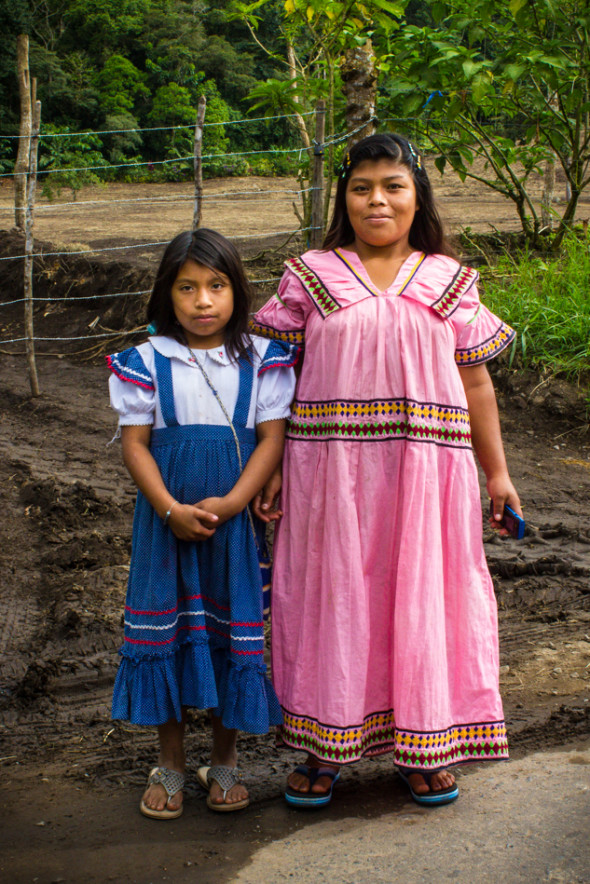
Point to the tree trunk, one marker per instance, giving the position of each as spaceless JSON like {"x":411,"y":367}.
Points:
{"x":22,"y":160}
{"x":548,"y":194}
{"x":300,"y":122}
{"x":359,"y":85}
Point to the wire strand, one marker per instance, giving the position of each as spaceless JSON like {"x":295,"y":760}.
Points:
{"x":190,"y":126}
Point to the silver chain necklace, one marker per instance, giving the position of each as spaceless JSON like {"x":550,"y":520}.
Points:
{"x":230,"y":422}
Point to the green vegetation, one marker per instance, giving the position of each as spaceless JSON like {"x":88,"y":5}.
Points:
{"x":509,"y":85}
{"x":547,"y":301}
{"x":499,"y":91}
{"x":103,"y":65}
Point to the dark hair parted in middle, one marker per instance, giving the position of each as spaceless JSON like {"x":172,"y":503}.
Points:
{"x":426,"y":233}
{"x":213,"y":250}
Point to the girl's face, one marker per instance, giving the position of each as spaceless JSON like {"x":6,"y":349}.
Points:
{"x":381,"y":203}
{"x":203,"y":302}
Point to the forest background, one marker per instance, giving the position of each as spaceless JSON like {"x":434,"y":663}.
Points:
{"x":506,"y":83}
{"x":500,"y":92}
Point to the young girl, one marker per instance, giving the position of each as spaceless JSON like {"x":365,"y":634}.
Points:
{"x":384,"y":616}
{"x":202,"y":409}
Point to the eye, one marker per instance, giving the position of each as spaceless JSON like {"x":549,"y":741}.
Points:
{"x":217,"y":286}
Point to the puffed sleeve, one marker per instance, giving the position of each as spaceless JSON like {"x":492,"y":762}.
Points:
{"x":276,"y":385}
{"x":284,"y":316}
{"x":480,"y":334}
{"x":275,"y":394}
{"x":131,"y":389}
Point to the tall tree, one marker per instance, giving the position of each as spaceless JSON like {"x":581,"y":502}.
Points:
{"x":507,"y":88}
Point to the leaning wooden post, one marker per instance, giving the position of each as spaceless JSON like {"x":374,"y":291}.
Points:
{"x":198,"y":162}
{"x":317,"y":185}
{"x":29,"y":218}
{"x":22,"y":159}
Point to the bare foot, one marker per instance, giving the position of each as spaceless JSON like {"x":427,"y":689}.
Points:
{"x":439,"y":780}
{"x":300,"y":782}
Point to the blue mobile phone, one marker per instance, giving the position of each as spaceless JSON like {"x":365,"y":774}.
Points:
{"x":511,"y":521}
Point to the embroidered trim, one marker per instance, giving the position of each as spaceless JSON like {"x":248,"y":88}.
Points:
{"x":319,"y":294}
{"x":380,"y":419}
{"x":488,"y":348}
{"x":413,"y":273}
{"x":275,"y":334}
{"x":346,"y":262}
{"x":125,"y":373}
{"x":279,"y":355}
{"x":378,"y":734}
{"x":451,"y":297}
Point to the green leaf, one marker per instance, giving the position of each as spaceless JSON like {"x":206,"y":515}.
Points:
{"x":440,"y":163}
{"x":470,"y":68}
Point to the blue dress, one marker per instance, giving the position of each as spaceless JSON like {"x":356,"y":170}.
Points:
{"x":193,"y":614}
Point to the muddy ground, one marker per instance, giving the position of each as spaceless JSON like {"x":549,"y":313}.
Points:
{"x":71,"y":776}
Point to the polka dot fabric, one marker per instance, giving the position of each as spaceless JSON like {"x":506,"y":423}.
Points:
{"x":193,"y":614}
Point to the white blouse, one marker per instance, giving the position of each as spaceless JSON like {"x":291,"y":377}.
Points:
{"x":195,"y":403}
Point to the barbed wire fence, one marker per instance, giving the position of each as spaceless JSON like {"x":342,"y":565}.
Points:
{"x":312,"y":231}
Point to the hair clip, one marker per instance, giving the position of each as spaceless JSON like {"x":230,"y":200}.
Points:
{"x":345,"y":165}
{"x":152,"y":328}
{"x":416,"y":156}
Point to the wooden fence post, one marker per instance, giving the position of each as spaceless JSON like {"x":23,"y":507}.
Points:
{"x":29,"y":218}
{"x":22,"y":158}
{"x":198,"y":168}
{"x":317,"y":186}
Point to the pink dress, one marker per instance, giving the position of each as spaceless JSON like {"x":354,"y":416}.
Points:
{"x":383,"y":611}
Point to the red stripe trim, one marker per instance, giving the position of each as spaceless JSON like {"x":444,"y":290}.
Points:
{"x":265,"y":366}
{"x":184,"y":598}
{"x":135,"y":641}
{"x":123,"y":377}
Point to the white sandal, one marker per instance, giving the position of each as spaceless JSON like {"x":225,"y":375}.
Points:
{"x":173,"y":782}
{"x":225,"y":777}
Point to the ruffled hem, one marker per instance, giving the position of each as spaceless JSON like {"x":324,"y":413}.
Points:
{"x":247,"y":699}
{"x":152,"y":690}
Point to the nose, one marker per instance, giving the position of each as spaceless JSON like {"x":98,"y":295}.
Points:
{"x":377,"y":196}
{"x":203,"y":297}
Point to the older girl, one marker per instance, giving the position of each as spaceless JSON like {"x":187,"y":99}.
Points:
{"x":384,"y":616}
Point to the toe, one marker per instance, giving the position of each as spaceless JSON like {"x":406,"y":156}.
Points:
{"x":175,"y":801}
{"x":419,"y":784}
{"x":155,"y":798}
{"x":442,"y":780}
{"x":298,"y":782}
{"x":235,"y":794}
{"x":215,"y":793}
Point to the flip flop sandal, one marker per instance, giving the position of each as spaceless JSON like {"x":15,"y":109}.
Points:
{"x":173,"y":782}
{"x":443,"y":796}
{"x":225,"y":777}
{"x":312,"y":799}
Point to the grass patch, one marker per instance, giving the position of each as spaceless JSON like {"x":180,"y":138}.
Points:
{"x":547,"y":301}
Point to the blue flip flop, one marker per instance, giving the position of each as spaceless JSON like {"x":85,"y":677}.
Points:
{"x":443,"y":796}
{"x":312,"y":799}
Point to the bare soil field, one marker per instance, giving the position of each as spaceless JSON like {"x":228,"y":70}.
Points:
{"x":72,"y":778}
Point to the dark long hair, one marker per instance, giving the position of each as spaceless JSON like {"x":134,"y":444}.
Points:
{"x":426,"y":233}
{"x":213,"y":250}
